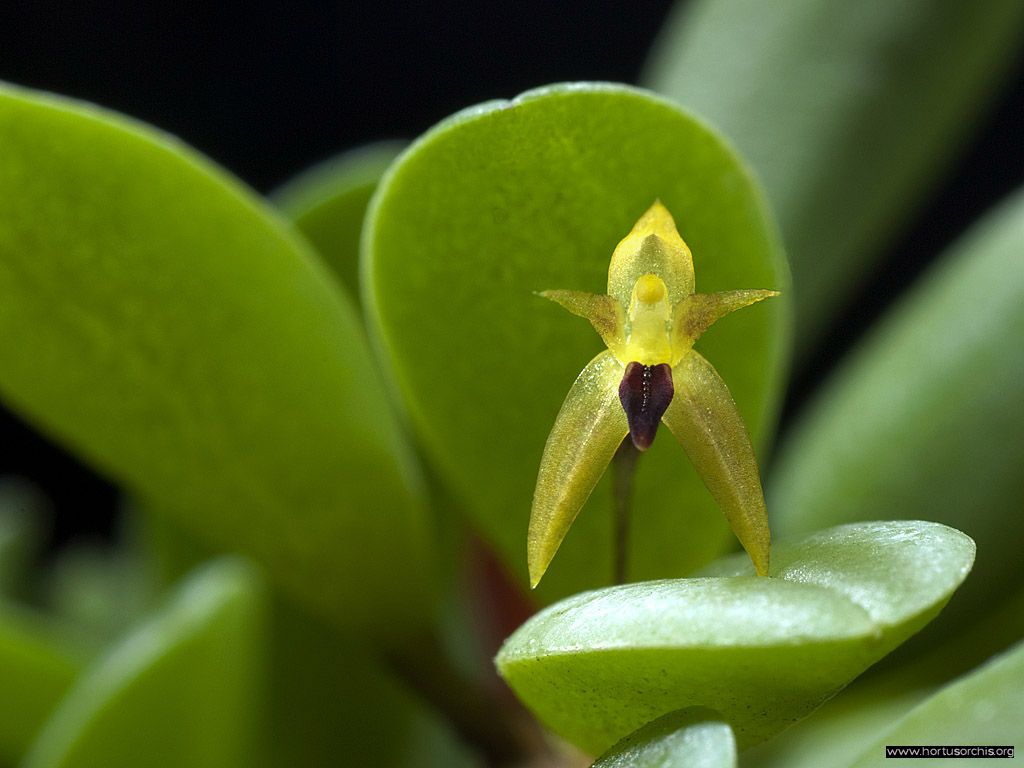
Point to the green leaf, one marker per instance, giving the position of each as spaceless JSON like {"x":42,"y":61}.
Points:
{"x":332,"y":702}
{"x":848,"y":111}
{"x":985,"y":707}
{"x":101,"y":590}
{"x":328,"y":695}
{"x":181,"y":690}
{"x":327,"y":204}
{"x":37,"y":666}
{"x":510,"y":198}
{"x":925,"y":418}
{"x":690,"y":738}
{"x":839,"y":728}
{"x":761,"y":651}
{"x":169,"y":551}
{"x":24,"y":513}
{"x":163,"y":323}
{"x":845,"y":725}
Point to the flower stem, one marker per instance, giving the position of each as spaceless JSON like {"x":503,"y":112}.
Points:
{"x":623,"y":470}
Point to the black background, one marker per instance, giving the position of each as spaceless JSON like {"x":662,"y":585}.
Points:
{"x":267,"y":90}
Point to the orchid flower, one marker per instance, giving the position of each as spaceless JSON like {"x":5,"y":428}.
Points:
{"x":649,"y":320}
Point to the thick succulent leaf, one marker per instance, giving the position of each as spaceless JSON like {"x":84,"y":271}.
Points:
{"x":164,"y":324}
{"x":985,"y":707}
{"x":851,"y":721}
{"x":183,"y":689}
{"x":37,"y":666}
{"x":689,"y":738}
{"x":848,"y":111}
{"x":925,"y":418}
{"x":586,"y":434}
{"x":703,"y":418}
{"x":761,"y":651}
{"x":514,"y":197}
{"x":328,"y":202}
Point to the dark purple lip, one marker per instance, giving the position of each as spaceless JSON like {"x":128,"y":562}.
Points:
{"x":645,"y":392}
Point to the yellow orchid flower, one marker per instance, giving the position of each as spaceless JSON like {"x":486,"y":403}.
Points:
{"x":649,"y":319}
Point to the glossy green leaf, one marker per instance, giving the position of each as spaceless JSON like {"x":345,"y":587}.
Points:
{"x":514,"y":197}
{"x":37,"y":666}
{"x":761,"y":651}
{"x":848,"y":111}
{"x":184,"y":689}
{"x":985,"y":707}
{"x":851,"y":721}
{"x":163,"y":323}
{"x":328,"y":202}
{"x":690,"y":738}
{"x":925,"y":418}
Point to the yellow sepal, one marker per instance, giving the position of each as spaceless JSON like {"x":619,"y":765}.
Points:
{"x":653,"y":247}
{"x":699,"y":311}
{"x":587,"y":432}
{"x":703,"y":418}
{"x":603,"y":312}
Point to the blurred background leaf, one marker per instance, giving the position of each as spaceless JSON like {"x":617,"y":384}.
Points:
{"x":509,"y":198}
{"x":327,"y":204}
{"x":689,"y":738}
{"x":924,"y":420}
{"x":849,"y":112}
{"x":164,"y":323}
{"x":984,"y":707}
{"x":847,"y":724}
{"x":37,"y":666}
{"x":24,"y":518}
{"x":327,"y":693}
{"x":98,"y":588}
{"x":332,"y":700}
{"x":183,"y":689}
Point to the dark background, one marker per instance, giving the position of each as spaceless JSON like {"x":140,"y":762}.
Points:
{"x":267,"y":90}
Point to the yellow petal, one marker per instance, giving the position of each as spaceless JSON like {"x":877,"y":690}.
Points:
{"x":652,"y":247}
{"x":703,"y":418}
{"x":587,"y":432}
{"x":699,"y":311}
{"x":649,"y":337}
{"x":603,"y":312}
